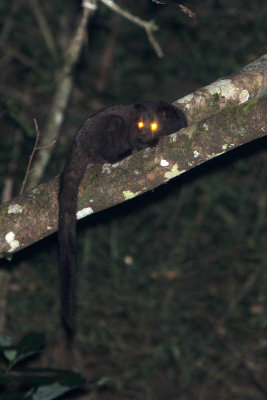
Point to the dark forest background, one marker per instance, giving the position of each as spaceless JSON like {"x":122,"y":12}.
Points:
{"x":172,"y":285}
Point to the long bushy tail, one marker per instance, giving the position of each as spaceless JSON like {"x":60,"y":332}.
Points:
{"x":68,"y":195}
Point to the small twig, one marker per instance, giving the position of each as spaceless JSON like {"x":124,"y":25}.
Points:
{"x":44,"y":27}
{"x":46,"y":146}
{"x":35,"y":147}
{"x":18,"y":55}
{"x":153,"y":41}
{"x":149,"y":26}
{"x":184,"y":9}
{"x":190,"y":13}
{"x":72,"y":53}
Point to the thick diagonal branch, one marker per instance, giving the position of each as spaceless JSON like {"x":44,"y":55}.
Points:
{"x":33,"y":216}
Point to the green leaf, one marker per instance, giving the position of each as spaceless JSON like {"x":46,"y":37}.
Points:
{"x":29,"y":345}
{"x":10,"y":355}
{"x":48,"y":392}
{"x":105,"y":382}
{"x":8,"y":350}
{"x":47,"y":376}
{"x":70,"y":379}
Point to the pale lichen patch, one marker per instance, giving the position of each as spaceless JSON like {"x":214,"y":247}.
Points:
{"x":84,"y":212}
{"x":128,"y":194}
{"x":106,"y":168}
{"x":196,"y":153}
{"x":15,"y":209}
{"x":224,"y":146}
{"x":205,"y":126}
{"x":10,"y":239}
{"x":198,"y":100}
{"x":118,"y":164}
{"x":164,"y":163}
{"x":173,"y":172}
{"x":173,"y":137}
{"x":186,"y":99}
{"x":223,"y":87}
{"x":146,"y":153}
{"x":244,"y":96}
{"x":34,"y":191}
{"x":213,"y":155}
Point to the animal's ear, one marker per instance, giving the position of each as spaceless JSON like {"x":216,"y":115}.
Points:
{"x":164,"y":111}
{"x":139,"y":107}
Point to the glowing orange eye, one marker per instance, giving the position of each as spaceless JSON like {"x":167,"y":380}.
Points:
{"x":140,"y":124}
{"x":154,"y":126}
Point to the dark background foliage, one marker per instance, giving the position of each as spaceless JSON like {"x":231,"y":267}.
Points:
{"x":171,"y":285}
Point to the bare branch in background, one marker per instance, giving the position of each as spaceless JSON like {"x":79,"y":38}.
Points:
{"x":44,"y":27}
{"x":13,"y":52}
{"x":149,"y":26}
{"x":61,"y":96}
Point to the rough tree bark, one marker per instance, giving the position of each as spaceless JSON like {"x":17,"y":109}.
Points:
{"x":222,"y":116}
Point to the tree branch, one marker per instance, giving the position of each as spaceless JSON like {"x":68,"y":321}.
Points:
{"x":34,"y":215}
{"x":61,"y":97}
{"x":149,"y":26}
{"x":44,"y":27}
{"x":246,"y":84}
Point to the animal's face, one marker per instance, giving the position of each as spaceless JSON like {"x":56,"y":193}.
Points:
{"x":155,"y":119}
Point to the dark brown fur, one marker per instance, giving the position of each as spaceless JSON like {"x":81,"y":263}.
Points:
{"x":107,"y":136}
